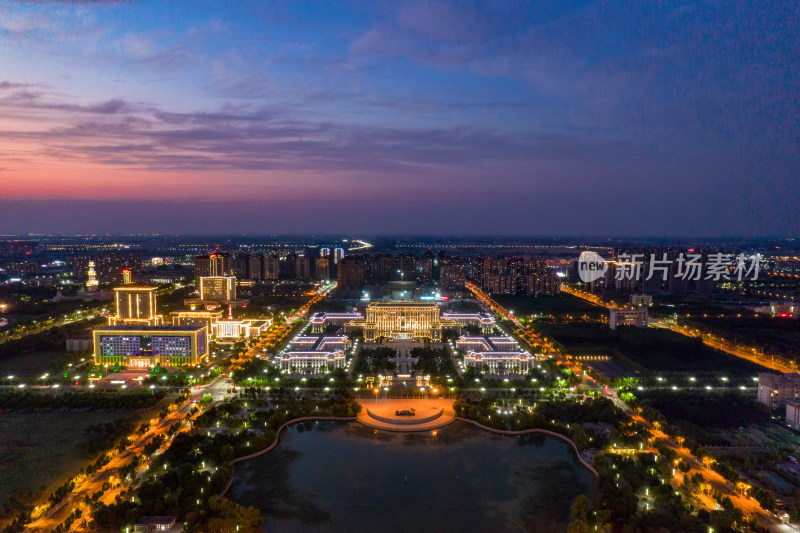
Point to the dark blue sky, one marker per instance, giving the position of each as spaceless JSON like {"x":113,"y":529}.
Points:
{"x":401,"y":117}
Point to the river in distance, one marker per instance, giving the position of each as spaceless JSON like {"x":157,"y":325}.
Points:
{"x":343,"y":476}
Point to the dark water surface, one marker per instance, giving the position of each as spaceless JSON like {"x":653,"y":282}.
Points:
{"x":342,"y":476}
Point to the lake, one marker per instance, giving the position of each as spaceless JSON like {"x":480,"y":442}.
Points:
{"x":342,"y":476}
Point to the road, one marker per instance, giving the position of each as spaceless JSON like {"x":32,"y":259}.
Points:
{"x":88,"y":314}
{"x":278,"y":333}
{"x":526,"y":333}
{"x":86,"y":487}
{"x":217,"y":388}
{"x":752,"y":355}
{"x":749,"y":507}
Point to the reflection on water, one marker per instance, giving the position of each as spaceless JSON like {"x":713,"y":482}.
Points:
{"x":342,"y":476}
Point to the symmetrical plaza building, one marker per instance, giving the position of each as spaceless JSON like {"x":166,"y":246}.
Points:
{"x":495,"y":355}
{"x":320,"y":321}
{"x":313,"y":355}
{"x":413,"y":320}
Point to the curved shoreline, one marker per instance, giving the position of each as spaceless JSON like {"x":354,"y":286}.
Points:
{"x":277,"y":440}
{"x":355,"y":419}
{"x":535,"y":430}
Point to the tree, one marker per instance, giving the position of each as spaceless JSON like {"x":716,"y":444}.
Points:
{"x":225,"y":516}
{"x":580,"y":515}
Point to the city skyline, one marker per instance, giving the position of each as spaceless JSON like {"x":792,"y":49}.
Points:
{"x":428,"y":265}
{"x":573,"y":119}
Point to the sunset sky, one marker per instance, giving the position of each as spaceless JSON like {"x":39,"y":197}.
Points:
{"x":553,"y":118}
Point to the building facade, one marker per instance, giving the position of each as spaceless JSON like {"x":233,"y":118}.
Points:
{"x":641,"y":300}
{"x":218,"y":264}
{"x":793,"y":414}
{"x":498,"y":354}
{"x":401,"y":320}
{"x":314,"y":355}
{"x":237,"y":329}
{"x":311,"y":362}
{"x":485,"y":322}
{"x":217,"y":288}
{"x":500,"y":363}
{"x":320,"y":321}
{"x":196,"y":318}
{"x":775,"y":390}
{"x":150,"y":346}
{"x":628,"y":317}
{"x":135,"y":305}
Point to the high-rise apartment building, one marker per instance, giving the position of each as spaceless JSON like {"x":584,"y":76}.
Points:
{"x":338,"y":255}
{"x":302,"y":268}
{"x":272,"y":268}
{"x":425,"y":269}
{"x":350,"y":276}
{"x":322,"y":268}
{"x":108,"y":266}
{"x":217,"y":288}
{"x":217,"y":264}
{"x":255,"y":267}
{"x":513,"y":275}
{"x":452,"y":273}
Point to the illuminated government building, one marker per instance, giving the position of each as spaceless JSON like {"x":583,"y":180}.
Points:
{"x":498,"y":355}
{"x":312,"y":355}
{"x":216,"y":291}
{"x":136,"y":337}
{"x":136,"y":306}
{"x":145,"y":347}
{"x":413,"y":320}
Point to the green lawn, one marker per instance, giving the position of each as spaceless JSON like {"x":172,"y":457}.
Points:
{"x":556,"y":306}
{"x":29,"y":364}
{"x":40,"y":450}
{"x":774,"y":334}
